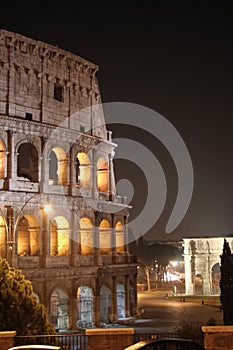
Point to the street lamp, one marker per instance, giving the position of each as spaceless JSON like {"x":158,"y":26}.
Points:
{"x":47,"y":205}
{"x":11,"y":226}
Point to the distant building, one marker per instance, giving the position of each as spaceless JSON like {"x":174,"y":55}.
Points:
{"x":202,"y":264}
{"x":54,"y":147}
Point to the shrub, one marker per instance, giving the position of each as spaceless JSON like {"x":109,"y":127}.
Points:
{"x":19,"y":309}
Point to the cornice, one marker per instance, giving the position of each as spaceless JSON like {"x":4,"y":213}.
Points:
{"x":24,"y":45}
{"x":48,"y":131}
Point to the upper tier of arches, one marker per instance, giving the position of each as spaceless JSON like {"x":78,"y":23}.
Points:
{"x":59,"y":165}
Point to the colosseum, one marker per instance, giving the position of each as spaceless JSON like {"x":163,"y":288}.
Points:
{"x":61,"y":221}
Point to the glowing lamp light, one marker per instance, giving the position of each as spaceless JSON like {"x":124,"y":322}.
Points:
{"x":174,"y":263}
{"x":48,"y":206}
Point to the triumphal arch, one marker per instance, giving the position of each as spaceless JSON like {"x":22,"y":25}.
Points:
{"x":202,"y":264}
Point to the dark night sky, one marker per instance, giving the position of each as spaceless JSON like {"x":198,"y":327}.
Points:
{"x":175,"y":59}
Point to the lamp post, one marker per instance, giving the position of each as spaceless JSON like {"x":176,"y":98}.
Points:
{"x":7,"y":225}
{"x":11,"y":226}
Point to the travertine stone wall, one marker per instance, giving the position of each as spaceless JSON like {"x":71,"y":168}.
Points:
{"x":50,"y":104}
{"x":30,"y":70}
{"x":200,"y":256}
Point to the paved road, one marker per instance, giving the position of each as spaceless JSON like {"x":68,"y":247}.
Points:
{"x":165,"y":315}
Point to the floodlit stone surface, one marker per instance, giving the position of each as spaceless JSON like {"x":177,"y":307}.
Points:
{"x":48,"y":150}
{"x":202,"y":264}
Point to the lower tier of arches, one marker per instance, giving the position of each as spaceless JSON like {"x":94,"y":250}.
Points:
{"x":86,"y":297}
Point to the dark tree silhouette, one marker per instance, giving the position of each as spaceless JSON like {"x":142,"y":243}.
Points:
{"x":226,"y":284}
{"x":19,"y":309}
{"x":147,"y":254}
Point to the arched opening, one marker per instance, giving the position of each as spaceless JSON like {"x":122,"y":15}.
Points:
{"x":2,"y":159}
{"x":86,"y":236}
{"x":27,"y":162}
{"x":120,"y":237}
{"x":53,"y":166}
{"x":105,"y":304}
{"x":59,"y":236}
{"x":105,"y":237}
{"x":28,"y":233}
{"x":58,"y":167}
{"x":3,"y":237}
{"x":102,"y":175}
{"x":83,"y":171}
{"x":85,"y":302}
{"x":58,"y":311}
{"x":198,"y":284}
{"x":121,"y":300}
{"x":216,"y":275}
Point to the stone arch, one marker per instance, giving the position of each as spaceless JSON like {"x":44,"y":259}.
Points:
{"x":198,"y":284}
{"x":104,"y":237}
{"x":102,"y":175}
{"x":53,"y":167}
{"x":105,"y":304}
{"x":86,"y":239}
{"x":59,"y":236}
{"x":58,"y":309}
{"x":28,"y":236}
{"x":85,"y":300}
{"x":83,"y":171}
{"x":120,"y":237}
{"x":216,"y":275}
{"x":27,"y":162}
{"x":121,"y":300}
{"x":2,"y":159}
{"x":58,"y":167}
{"x":3,"y":237}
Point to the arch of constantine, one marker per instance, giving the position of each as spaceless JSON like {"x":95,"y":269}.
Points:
{"x":202,"y":264}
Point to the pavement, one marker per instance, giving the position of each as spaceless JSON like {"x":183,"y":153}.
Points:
{"x":160,"y":313}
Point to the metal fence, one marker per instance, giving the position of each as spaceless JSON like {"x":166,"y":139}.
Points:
{"x":65,"y":341}
{"x":80,"y":341}
{"x":152,"y":335}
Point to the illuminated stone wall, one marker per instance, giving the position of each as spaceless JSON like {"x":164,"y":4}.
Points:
{"x":44,"y":83}
{"x":76,"y":246}
{"x":202,"y":264}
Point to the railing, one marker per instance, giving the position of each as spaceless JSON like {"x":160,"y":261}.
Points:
{"x":152,"y":335}
{"x":65,"y":341}
{"x":80,"y":341}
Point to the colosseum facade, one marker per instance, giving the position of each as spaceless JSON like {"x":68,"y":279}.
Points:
{"x":61,"y":220}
